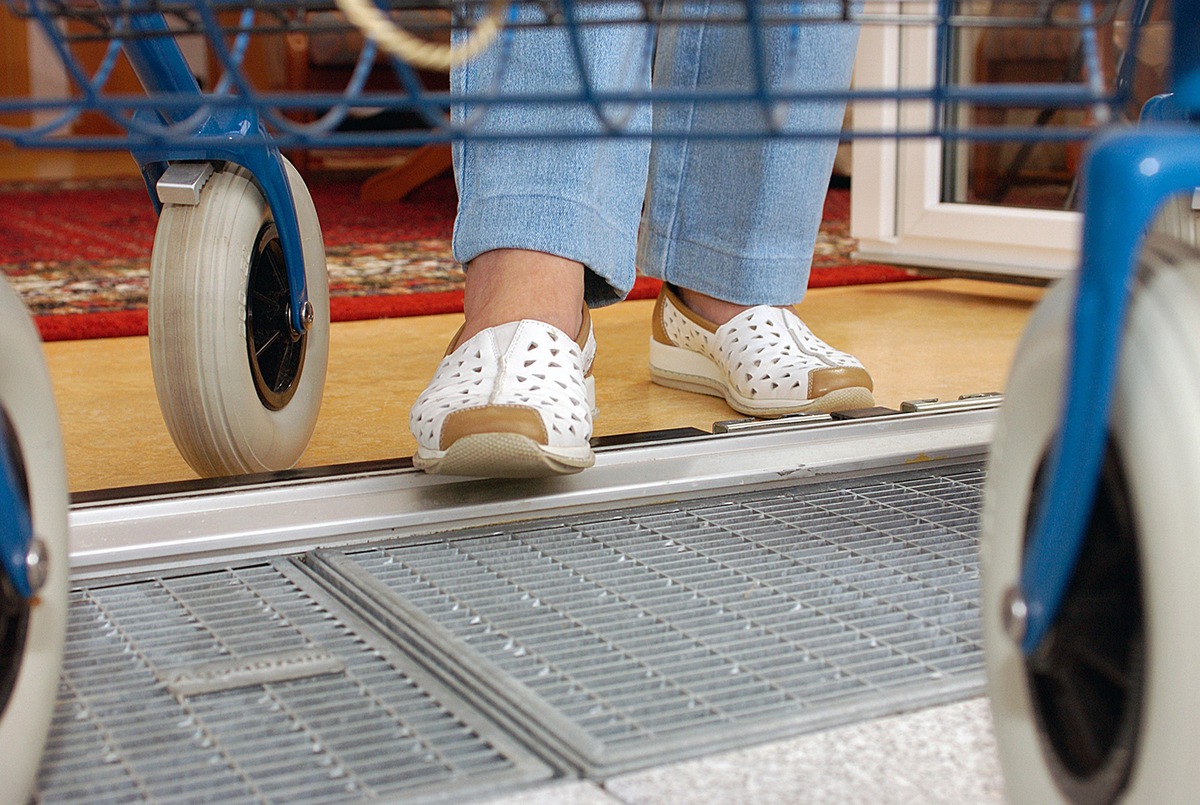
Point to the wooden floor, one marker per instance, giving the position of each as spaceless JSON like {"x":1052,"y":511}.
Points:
{"x":934,"y":338}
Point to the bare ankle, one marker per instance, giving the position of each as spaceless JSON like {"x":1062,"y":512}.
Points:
{"x":718,"y":311}
{"x":508,"y":285}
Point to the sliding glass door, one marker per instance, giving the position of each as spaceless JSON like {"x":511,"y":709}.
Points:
{"x":1004,"y":209}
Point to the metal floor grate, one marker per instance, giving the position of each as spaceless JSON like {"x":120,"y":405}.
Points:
{"x":630,"y":638}
{"x":355,"y":720}
{"x":425,"y":669}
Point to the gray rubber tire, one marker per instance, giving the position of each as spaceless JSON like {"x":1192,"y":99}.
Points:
{"x":199,"y":279}
{"x":28,"y":400}
{"x":1156,"y":435}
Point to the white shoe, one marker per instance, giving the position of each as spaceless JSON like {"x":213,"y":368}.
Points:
{"x":513,"y":401}
{"x":765,"y":362}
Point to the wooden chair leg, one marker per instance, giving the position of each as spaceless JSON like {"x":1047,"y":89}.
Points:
{"x":427,"y":162}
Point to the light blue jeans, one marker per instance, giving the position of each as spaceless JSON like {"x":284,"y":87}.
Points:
{"x":734,"y":219}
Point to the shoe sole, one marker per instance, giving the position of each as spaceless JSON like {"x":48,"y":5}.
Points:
{"x":691,"y":371}
{"x":502,"y":455}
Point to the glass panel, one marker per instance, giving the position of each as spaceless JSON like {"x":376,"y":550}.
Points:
{"x":1041,"y":173}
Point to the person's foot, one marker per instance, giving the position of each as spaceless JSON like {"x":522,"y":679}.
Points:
{"x":514,"y":395}
{"x":763,"y":360}
{"x":507,"y":285}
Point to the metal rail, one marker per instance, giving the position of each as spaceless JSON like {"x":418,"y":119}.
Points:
{"x":176,"y":527}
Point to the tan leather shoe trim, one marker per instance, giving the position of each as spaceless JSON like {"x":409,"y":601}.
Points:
{"x":454,"y":341}
{"x":517,"y":419}
{"x":585,"y":327}
{"x":667,"y":296}
{"x":823,"y":381}
{"x":692,"y":316}
{"x":658,"y":332}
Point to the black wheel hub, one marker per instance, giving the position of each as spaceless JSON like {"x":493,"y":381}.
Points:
{"x":14,"y":625}
{"x":14,"y":610}
{"x":1086,"y":679}
{"x":276,"y":351}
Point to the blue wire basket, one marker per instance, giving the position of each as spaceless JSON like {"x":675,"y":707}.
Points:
{"x":241,"y":51}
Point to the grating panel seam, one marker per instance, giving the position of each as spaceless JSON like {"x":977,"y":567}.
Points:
{"x":407,"y":624}
{"x":152,"y":746}
{"x":449,"y":578}
{"x":383,"y":633}
{"x":618,"y":597}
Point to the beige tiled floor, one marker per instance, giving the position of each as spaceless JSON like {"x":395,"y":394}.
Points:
{"x":936,"y":338}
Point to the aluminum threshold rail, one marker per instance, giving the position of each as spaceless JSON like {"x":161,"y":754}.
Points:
{"x":191,"y":524}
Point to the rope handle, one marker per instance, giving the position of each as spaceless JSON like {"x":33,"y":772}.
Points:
{"x":421,"y":53}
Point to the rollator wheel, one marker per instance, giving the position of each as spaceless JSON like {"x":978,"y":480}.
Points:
{"x":34,"y":491}
{"x":1179,"y":220}
{"x":1106,"y":710}
{"x":238,"y":392}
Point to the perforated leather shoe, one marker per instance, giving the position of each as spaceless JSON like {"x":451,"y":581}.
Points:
{"x":513,"y":401}
{"x":765,"y":362}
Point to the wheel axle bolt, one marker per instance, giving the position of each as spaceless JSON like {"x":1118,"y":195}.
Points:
{"x":37,"y":565}
{"x":308,"y":315}
{"x":1015,"y":614}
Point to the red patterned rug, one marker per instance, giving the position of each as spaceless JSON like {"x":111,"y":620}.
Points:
{"x":78,"y":253}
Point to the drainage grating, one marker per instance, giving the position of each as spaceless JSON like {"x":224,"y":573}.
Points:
{"x":237,"y":686}
{"x":625,"y":639}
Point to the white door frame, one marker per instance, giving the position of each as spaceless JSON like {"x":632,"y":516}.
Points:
{"x":896,"y":211}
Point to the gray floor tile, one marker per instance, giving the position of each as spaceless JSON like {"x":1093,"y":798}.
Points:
{"x":940,"y":755}
{"x":571,"y":792}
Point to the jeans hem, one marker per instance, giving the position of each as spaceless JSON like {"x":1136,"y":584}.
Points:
{"x":741,"y":280}
{"x":554,"y":225}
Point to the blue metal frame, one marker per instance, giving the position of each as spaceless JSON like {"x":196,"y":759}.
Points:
{"x":1127,"y":175}
{"x":129,"y":24}
{"x":230,"y":135}
{"x":16,"y":527}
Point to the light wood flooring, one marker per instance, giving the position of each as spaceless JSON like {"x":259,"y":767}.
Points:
{"x":933,"y":338}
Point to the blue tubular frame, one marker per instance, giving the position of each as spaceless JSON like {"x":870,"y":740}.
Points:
{"x":16,"y":535}
{"x":230,"y":134}
{"x":128,"y":20}
{"x":1127,"y":175}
